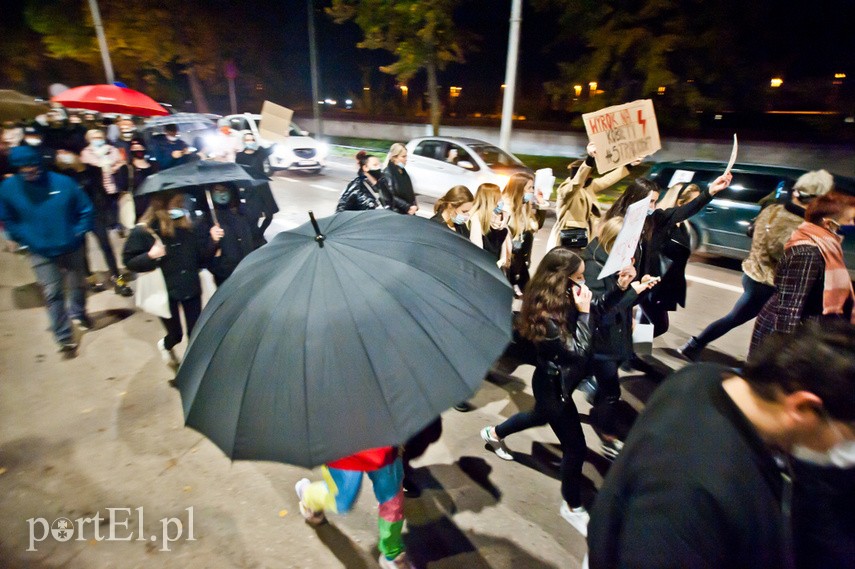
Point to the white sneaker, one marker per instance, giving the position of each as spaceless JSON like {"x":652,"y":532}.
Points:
{"x":312,"y":518}
{"x":168,"y":356}
{"x":497,"y":444}
{"x":576,"y":517}
{"x":400,"y":562}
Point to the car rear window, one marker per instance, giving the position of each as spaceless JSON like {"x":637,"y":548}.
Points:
{"x":494,"y":156}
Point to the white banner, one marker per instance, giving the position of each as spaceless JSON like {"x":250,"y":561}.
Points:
{"x":627,"y":240}
{"x":623,"y":133}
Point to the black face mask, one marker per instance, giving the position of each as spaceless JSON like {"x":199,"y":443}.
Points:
{"x":138,"y":153}
{"x":376,"y":174}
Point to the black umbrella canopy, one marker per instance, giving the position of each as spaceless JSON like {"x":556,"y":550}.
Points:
{"x":196,"y":173}
{"x":310,"y":353}
{"x":15,"y":106}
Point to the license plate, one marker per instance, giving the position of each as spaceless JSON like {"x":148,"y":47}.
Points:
{"x":307,"y":162}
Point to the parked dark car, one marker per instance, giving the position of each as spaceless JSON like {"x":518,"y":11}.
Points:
{"x":720,"y":228}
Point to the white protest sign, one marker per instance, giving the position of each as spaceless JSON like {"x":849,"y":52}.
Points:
{"x":627,"y":240}
{"x":275,"y":122}
{"x":544,"y":181}
{"x":623,"y":133}
{"x":732,"y":160}
{"x":681,"y":177}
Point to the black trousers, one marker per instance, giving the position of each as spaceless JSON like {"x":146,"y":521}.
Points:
{"x":192,"y":308}
{"x":564,"y":420}
{"x":603,"y":414}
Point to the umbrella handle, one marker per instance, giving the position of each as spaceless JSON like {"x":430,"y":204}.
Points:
{"x":319,"y":237}
{"x":214,"y":217}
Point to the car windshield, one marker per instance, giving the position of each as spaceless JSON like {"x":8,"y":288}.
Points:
{"x":494,"y":156}
{"x":293,"y":130}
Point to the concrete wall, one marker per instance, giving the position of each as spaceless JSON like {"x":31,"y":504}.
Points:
{"x":839,"y":159}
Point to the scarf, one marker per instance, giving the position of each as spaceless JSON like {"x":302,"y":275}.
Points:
{"x":837,"y":288}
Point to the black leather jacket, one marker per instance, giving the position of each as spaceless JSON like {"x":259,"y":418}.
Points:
{"x":565,"y":359}
{"x":400,"y":188}
{"x":360,"y":195}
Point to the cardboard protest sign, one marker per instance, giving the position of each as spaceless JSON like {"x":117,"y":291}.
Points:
{"x":623,"y":133}
{"x":732,"y":155}
{"x":627,"y":240}
{"x":275,"y":122}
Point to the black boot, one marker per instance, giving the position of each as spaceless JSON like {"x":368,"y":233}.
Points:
{"x":691,"y":350}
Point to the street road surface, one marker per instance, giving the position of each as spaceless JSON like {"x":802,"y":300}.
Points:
{"x":105,"y":430}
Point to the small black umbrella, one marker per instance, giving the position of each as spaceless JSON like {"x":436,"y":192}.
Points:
{"x":198,"y":173}
{"x":355,"y":334}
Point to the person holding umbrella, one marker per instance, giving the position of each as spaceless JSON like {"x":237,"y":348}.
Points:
{"x":166,"y":239}
{"x":237,"y":241}
{"x":341,"y":485}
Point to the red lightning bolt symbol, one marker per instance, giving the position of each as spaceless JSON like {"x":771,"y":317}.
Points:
{"x":642,"y":122}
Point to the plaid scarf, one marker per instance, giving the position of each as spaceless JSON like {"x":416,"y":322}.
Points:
{"x":837,"y":289}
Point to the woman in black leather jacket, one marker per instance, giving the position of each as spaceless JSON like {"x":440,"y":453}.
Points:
{"x":400,"y":185}
{"x":368,"y":190}
{"x":554,"y":316}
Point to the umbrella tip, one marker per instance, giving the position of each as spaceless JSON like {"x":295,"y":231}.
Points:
{"x":319,"y":237}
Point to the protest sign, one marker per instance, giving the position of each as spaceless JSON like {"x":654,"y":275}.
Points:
{"x":544,"y":181}
{"x":623,"y":133}
{"x":627,"y":240}
{"x":732,"y":155}
{"x":275,"y":122}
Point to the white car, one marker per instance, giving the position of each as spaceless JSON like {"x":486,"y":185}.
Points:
{"x":297,"y":151}
{"x":437,"y":163}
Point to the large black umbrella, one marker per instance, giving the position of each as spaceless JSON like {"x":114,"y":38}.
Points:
{"x":15,"y":106}
{"x":198,"y":173}
{"x":319,"y":347}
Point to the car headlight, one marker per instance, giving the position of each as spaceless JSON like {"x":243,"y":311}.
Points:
{"x":281,"y":152}
{"x":323,"y":149}
{"x":502,"y":181}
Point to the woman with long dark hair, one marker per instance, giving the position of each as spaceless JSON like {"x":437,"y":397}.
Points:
{"x":554,"y":316}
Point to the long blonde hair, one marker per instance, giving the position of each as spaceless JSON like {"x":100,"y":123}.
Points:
{"x":394,"y":151}
{"x":487,"y":197}
{"x":608,"y":232}
{"x":678,"y":195}
{"x":522,"y":219}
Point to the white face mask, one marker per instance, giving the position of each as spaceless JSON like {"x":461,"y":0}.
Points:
{"x":841,"y":455}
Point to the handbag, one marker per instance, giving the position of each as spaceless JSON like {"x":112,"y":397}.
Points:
{"x":151,"y":294}
{"x":574,"y":237}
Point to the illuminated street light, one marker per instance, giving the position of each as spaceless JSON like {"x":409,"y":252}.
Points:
{"x":577,"y":89}
{"x":660,"y":91}
{"x":776,"y":82}
{"x":454,"y":91}
{"x":840,"y":76}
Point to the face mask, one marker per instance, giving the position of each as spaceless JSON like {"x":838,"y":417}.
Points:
{"x":74,"y":120}
{"x":499,"y":207}
{"x":222,"y":198}
{"x":579,"y":284}
{"x":138,"y":153}
{"x":528,"y":197}
{"x":65,"y":158}
{"x":845,"y":230}
{"x":98,"y":143}
{"x":33,"y":141}
{"x":376,"y":174}
{"x":841,"y":455}
{"x":460,"y":219}
{"x":251,"y":145}
{"x":650,"y":212}
{"x":177,"y":213}
{"x":32,"y":175}
{"x":127,"y":136}
{"x":171,"y":138}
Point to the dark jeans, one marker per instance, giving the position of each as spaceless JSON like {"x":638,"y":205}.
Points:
{"x":54,"y":274}
{"x":100,"y":230}
{"x":564,"y":420}
{"x":603,"y":414}
{"x":192,"y":307}
{"x":754,"y":296}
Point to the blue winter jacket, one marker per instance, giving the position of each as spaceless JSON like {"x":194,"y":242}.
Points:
{"x":50,"y":216}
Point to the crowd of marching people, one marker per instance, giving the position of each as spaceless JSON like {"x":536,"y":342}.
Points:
{"x":705,"y":476}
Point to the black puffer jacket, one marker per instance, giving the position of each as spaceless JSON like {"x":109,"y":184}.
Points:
{"x":187,"y":251}
{"x":612,"y":307}
{"x":360,"y":195}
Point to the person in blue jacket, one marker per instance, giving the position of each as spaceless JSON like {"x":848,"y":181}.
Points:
{"x":49,"y":214}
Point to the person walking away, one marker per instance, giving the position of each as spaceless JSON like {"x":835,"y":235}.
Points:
{"x":612,"y":330}
{"x":576,"y":205}
{"x":261,"y":206}
{"x":49,"y":213}
{"x":452,"y":210}
{"x":773,"y":228}
{"x":554,"y":315}
{"x":704,"y":479}
{"x":488,"y":224}
{"x":368,"y":189}
{"x":170,"y":150}
{"x":166,"y":239}
{"x":101,"y":162}
{"x":811,"y":281}
{"x":237,"y":241}
{"x":523,"y":224}
{"x":398,"y":180}
{"x":340,"y":488}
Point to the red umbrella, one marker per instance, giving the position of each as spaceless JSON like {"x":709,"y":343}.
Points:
{"x":110,"y":99}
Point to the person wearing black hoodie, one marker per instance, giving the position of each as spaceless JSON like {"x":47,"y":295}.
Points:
{"x":237,"y":241}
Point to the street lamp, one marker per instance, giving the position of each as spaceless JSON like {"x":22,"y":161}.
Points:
{"x":577,"y":89}
{"x":592,"y":86}
{"x":776,"y":82}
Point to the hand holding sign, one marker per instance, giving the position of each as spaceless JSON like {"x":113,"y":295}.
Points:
{"x":720,"y":183}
